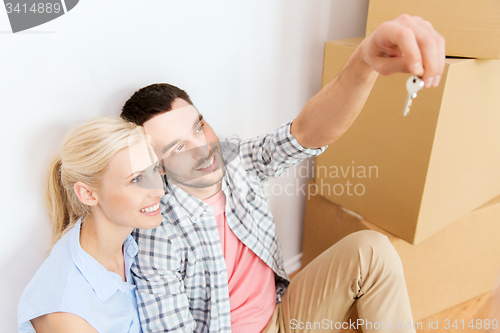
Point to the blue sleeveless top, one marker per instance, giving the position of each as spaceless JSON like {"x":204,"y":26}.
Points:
{"x":70,"y":280}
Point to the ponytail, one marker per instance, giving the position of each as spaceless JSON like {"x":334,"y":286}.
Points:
{"x":62,"y":213}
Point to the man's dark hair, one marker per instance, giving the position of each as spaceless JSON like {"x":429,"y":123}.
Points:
{"x":150,"y":101}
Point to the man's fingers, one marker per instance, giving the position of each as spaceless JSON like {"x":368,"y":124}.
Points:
{"x":394,"y":49}
{"x":415,"y":41}
{"x":430,"y":56}
{"x":426,"y":48}
{"x":408,"y":44}
{"x":430,"y":47}
{"x":407,"y":40}
{"x":410,"y":50}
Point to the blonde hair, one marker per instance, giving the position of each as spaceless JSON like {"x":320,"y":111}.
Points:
{"x":87,"y":150}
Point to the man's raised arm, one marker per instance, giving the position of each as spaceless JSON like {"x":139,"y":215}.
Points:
{"x":407,"y":44}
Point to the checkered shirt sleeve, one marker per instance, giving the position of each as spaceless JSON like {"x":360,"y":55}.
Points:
{"x":271,"y":155}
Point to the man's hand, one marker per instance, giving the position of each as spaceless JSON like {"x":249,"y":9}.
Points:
{"x":408,"y":44}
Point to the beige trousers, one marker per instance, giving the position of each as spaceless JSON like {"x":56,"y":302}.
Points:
{"x":363,"y":267}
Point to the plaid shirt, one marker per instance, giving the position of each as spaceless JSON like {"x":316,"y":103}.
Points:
{"x":180,"y":272}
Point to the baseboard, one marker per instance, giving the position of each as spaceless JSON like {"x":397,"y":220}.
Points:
{"x":293,"y":264}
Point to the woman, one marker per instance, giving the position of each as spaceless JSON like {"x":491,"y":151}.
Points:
{"x":102,"y":185}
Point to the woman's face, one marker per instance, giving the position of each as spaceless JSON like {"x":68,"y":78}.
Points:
{"x":131,"y":188}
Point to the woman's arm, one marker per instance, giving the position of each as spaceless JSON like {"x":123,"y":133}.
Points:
{"x":61,"y":322}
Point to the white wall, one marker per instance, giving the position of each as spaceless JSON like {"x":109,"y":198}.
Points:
{"x":248,"y":66}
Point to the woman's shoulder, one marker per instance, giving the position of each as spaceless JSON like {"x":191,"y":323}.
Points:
{"x":58,"y":268}
{"x":57,"y":286}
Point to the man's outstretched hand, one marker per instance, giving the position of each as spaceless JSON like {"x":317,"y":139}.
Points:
{"x":408,"y":44}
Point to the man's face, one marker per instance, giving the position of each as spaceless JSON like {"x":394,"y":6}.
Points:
{"x":187,"y":146}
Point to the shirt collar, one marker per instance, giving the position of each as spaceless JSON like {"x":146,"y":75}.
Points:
{"x":104,"y":282}
{"x":191,"y":205}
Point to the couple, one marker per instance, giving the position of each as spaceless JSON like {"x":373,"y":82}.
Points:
{"x":211,"y":261}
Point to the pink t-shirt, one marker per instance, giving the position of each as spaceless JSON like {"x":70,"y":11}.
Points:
{"x":252,"y":292}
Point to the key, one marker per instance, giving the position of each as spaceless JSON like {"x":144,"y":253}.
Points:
{"x":413,"y":85}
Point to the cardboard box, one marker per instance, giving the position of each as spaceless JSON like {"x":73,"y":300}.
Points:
{"x":471,"y":28}
{"x":430,"y":167}
{"x":458,"y":263}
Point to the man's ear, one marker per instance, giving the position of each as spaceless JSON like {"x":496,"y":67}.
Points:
{"x":85,"y":194}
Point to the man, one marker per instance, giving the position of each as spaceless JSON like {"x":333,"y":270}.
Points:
{"x":214,"y":264}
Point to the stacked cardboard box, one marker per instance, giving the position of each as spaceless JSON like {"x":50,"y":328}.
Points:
{"x":430,"y":181}
{"x":452,"y":266}
{"x":432,"y":166}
